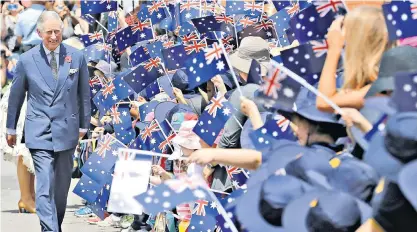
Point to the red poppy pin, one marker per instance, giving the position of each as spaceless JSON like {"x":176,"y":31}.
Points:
{"x":68,"y":59}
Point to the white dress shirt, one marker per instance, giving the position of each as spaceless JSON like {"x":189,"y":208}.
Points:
{"x":49,"y":55}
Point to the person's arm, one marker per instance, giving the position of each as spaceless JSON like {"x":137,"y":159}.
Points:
{"x":16,"y":99}
{"x":327,"y":83}
{"x":84,"y":98}
{"x":242,"y":158}
{"x":249,"y":108}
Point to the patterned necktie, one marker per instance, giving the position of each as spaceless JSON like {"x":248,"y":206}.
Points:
{"x":54,"y":66}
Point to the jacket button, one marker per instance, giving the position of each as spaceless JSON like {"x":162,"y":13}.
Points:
{"x":43,"y":92}
{"x":65,"y":104}
{"x":65,"y":119}
{"x":68,"y":89}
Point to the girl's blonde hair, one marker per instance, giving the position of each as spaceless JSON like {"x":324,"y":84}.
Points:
{"x":366,"y":40}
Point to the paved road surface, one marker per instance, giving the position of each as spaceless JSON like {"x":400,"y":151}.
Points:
{"x":12,"y":221}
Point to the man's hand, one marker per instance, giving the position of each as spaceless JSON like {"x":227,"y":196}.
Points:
{"x":11,"y":140}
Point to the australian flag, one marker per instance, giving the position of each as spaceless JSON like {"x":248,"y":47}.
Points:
{"x":306,"y":59}
{"x":113,"y":92}
{"x":278,"y":91}
{"x":122,"y":123}
{"x":112,"y":21}
{"x":274,"y":129}
{"x":88,"y":188}
{"x":101,"y":162}
{"x":155,"y":49}
{"x":405,"y":94}
{"x":97,"y":52}
{"x":92,"y":38}
{"x":99,"y":205}
{"x":254,"y":75}
{"x":312,"y":24}
{"x":264,"y":29}
{"x":211,"y":23}
{"x":281,"y":21}
{"x":173,"y":192}
{"x":239,"y":176}
{"x":175,"y":57}
{"x":212,"y":120}
{"x":203,"y":217}
{"x":125,"y":38}
{"x":189,"y":9}
{"x":97,"y":7}
{"x":154,"y":10}
{"x":140,"y":55}
{"x":251,"y":7}
{"x":142,"y":30}
{"x":140,"y":77}
{"x":401,"y":19}
{"x":205,"y":65}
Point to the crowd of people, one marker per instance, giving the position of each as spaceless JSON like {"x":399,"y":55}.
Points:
{"x":347,"y":162}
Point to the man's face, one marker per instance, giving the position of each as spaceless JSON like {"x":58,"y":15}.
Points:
{"x":51,"y":34}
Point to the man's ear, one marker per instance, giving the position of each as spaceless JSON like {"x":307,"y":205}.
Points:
{"x":39,"y":33}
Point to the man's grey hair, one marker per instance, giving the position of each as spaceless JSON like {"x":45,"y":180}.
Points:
{"x":47,"y":15}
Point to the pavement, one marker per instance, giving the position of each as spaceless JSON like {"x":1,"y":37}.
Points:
{"x":13,"y":221}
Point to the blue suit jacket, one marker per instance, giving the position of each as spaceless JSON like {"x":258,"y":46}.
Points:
{"x":55,"y":109}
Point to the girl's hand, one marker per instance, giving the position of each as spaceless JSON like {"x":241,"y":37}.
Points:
{"x":335,"y":36}
{"x":219,"y":84}
{"x":201,"y":157}
{"x":353,"y":117}
{"x":247,"y":107}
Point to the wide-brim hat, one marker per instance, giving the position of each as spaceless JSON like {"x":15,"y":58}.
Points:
{"x":275,"y":158}
{"x":400,"y":130}
{"x":296,"y":213}
{"x":280,"y":188}
{"x":251,"y":47}
{"x":407,"y":182}
{"x":162,"y":110}
{"x":398,"y":59}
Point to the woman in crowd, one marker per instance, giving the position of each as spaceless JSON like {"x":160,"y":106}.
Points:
{"x":362,"y":55}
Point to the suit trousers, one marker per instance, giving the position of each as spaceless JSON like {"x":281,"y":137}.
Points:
{"x":53,"y":178}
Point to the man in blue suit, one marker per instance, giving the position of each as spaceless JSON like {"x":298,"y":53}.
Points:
{"x":55,"y":78}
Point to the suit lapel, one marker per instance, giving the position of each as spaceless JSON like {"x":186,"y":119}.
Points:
{"x":42,"y":64}
{"x":63,"y":70}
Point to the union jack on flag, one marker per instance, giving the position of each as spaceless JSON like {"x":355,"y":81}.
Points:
{"x":325,"y":6}
{"x":189,"y":38}
{"x":200,"y":208}
{"x":320,"y":47}
{"x":115,"y":115}
{"x":225,"y":19}
{"x":231,"y":170}
{"x":189,"y":4}
{"x":264,"y":25}
{"x":103,"y":47}
{"x":293,"y":9}
{"x":98,"y":35}
{"x":282,"y":122}
{"x":215,"y":104}
{"x":164,"y":144}
{"x":155,"y":6}
{"x":272,"y":84}
{"x":414,"y":9}
{"x":108,"y":89}
{"x":183,"y":182}
{"x":152,"y":63}
{"x":147,"y":133}
{"x":142,"y":25}
{"x":105,"y":145}
{"x":213,"y":52}
{"x":195,"y":46}
{"x":247,"y":21}
{"x":253,"y":6}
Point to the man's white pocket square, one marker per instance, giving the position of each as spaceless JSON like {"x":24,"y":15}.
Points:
{"x":73,"y":70}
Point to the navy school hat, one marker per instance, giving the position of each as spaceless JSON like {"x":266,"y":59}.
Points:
{"x":391,"y":209}
{"x":325,"y":211}
{"x":380,"y":103}
{"x":263,"y":204}
{"x":274,"y":158}
{"x":308,"y":161}
{"x":305,"y":106}
{"x":388,"y":153}
{"x":349,"y":175}
{"x":407,"y":180}
{"x":162,"y":110}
